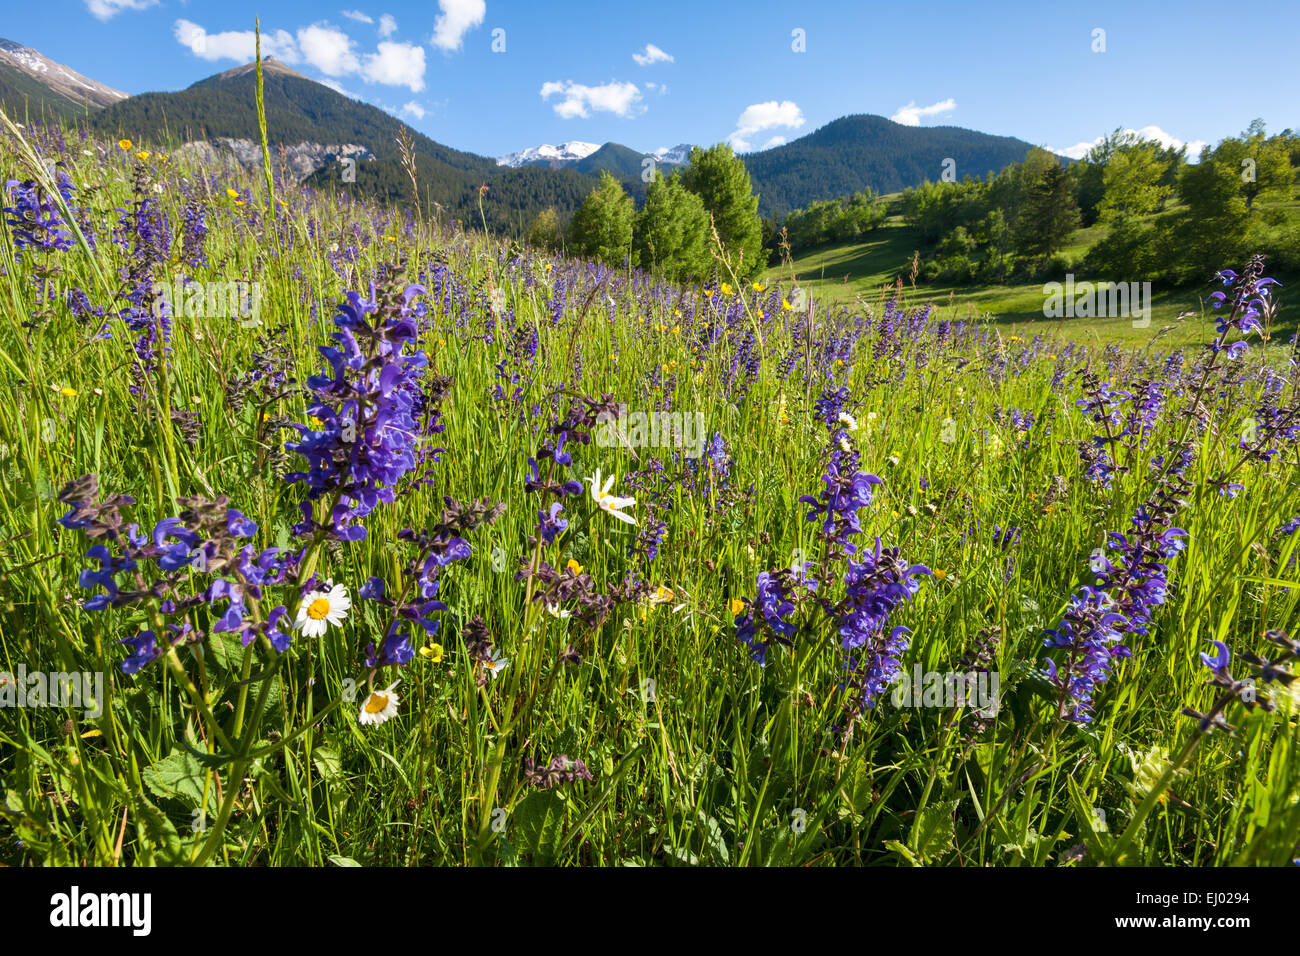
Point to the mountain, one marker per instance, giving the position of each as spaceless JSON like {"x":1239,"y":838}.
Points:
{"x":311,"y":127}
{"x":298,"y":110}
{"x":622,"y":161}
{"x":678,"y":155}
{"x":30,"y":81}
{"x":555,"y":157}
{"x":856,"y":152}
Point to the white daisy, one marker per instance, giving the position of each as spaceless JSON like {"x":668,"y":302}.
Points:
{"x":849,"y":421}
{"x":321,"y":608}
{"x":496,"y":664}
{"x":380,"y":705}
{"x":610,"y":504}
{"x":556,"y":611}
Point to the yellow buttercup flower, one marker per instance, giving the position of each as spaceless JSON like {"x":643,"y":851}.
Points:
{"x":737,"y":605}
{"x":759,"y":287}
{"x":124,"y":144}
{"x":661,"y":595}
{"x":940,"y":574}
{"x":574,"y":566}
{"x":726,"y":289}
{"x":433,"y":653}
{"x":67,"y":392}
{"x":232,"y":193}
{"x":785,"y":304}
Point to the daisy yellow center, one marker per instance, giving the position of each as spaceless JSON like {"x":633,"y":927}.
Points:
{"x":490,"y":665}
{"x":376,"y":703}
{"x":317,"y":610}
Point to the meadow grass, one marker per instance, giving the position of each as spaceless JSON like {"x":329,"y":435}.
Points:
{"x":869,"y":270}
{"x":225,"y":754}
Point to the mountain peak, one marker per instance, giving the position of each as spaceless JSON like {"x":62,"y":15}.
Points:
{"x":270,"y":65}
{"x":548,"y":155}
{"x":65,"y":82}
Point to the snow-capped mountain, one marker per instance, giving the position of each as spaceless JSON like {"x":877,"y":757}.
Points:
{"x":56,"y":77}
{"x":679,"y":155}
{"x":547,"y":155}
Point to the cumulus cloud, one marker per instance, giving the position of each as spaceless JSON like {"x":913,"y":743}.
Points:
{"x":107,"y":9}
{"x":327,"y":49}
{"x":774,"y":141}
{"x":339,"y":88}
{"x":457,"y":18}
{"x":396,"y":64}
{"x":761,"y":116}
{"x":1194,"y":147}
{"x":238,"y":45}
{"x":387,"y":26}
{"x":358,"y":16}
{"x":413,"y":109}
{"x":911,"y":114}
{"x":651,"y":54}
{"x":621,"y":99}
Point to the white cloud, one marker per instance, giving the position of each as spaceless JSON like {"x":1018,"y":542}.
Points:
{"x":414,"y":109}
{"x":327,"y":49}
{"x":340,"y":89}
{"x":1194,"y":147}
{"x":774,"y":141}
{"x":911,"y":114}
{"x":458,"y":17}
{"x":620,"y":99}
{"x":396,"y":64}
{"x":239,"y":45}
{"x":107,"y":9}
{"x":761,"y":116}
{"x":358,"y":16}
{"x":651,"y":54}
{"x":387,"y":26}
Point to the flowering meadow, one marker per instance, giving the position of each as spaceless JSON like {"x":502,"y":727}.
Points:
{"x":378,"y":540}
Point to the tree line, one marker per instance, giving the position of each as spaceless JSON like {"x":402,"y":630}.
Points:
{"x":1164,"y":218}
{"x":673,"y":232}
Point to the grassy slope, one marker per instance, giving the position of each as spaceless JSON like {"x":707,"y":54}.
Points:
{"x":861,"y":271}
{"x":721,"y":762}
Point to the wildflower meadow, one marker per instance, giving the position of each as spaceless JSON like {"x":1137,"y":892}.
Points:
{"x":335,"y":533}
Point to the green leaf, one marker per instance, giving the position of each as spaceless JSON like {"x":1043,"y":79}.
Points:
{"x":178,"y":776}
{"x":537,"y":820}
{"x":935,"y":831}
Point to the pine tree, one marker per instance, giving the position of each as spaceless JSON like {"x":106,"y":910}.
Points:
{"x":672,"y":231}
{"x":720,"y":179}
{"x":602,"y":226}
{"x":1049,"y":213}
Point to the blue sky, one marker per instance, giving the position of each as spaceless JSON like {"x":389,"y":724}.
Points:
{"x":653,"y":75}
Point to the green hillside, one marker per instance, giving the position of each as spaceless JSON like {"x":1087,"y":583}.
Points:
{"x":869,"y":271}
{"x":854,"y":153}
